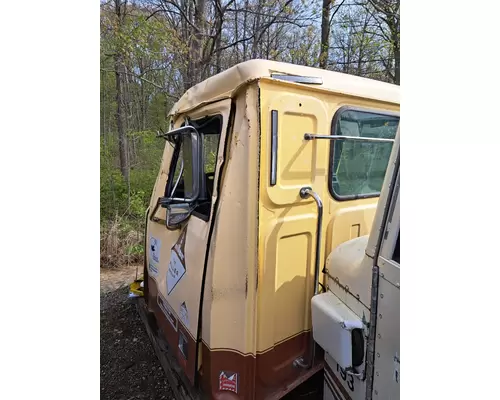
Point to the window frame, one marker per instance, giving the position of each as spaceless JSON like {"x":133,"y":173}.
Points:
{"x":331,"y":153}
{"x":175,"y":158}
{"x":172,"y":167}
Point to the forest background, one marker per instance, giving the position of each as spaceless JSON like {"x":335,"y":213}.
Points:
{"x":152,"y":51}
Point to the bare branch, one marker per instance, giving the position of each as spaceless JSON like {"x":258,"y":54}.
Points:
{"x":144,"y":80}
{"x":336,"y":11}
{"x":184,"y":16}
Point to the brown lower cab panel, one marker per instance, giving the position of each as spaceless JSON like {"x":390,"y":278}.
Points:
{"x":269,"y":375}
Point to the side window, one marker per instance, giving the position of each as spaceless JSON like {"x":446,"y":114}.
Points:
{"x":357,"y":169}
{"x":211,"y":142}
{"x":182,"y":180}
{"x":181,"y":174}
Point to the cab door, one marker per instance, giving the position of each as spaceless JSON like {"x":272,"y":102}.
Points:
{"x":176,"y":254}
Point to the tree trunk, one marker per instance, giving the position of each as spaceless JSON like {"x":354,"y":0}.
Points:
{"x":120,"y":97}
{"x":218,"y":55}
{"x":245,"y":15}
{"x":236,"y":38}
{"x":120,"y":118}
{"x":325,"y":34}
{"x":196,"y":48}
{"x":397,"y":65}
{"x":257,"y":31}
{"x":186,"y":58}
{"x":362,"y":42}
{"x":389,"y":14}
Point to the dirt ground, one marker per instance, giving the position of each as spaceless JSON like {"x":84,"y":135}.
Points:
{"x":129,"y":367}
{"x":116,"y":278}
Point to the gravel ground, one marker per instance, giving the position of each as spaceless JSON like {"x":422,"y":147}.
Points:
{"x":129,"y":367}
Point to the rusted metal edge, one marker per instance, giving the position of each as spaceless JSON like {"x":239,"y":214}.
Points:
{"x":182,"y":389}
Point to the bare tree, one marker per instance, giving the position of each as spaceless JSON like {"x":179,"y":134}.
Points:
{"x":325,"y":33}
{"x":120,"y":11}
{"x":386,"y":13}
{"x":326,"y":27}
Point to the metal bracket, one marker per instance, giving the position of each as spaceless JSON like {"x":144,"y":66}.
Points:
{"x":310,"y":136}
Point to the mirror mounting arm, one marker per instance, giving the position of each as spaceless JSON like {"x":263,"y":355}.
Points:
{"x":310,"y":136}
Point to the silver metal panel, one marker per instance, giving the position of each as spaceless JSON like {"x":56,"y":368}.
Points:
{"x":389,"y":270}
{"x":387,"y":352}
{"x":393,"y":224}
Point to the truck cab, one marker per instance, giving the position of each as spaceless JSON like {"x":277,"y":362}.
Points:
{"x":267,"y":172}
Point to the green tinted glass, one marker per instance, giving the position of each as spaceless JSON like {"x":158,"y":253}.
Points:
{"x":358,"y":168}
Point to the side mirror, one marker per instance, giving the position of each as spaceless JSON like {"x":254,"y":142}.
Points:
{"x":177,"y":214}
{"x":185,"y":179}
{"x":188,"y":140}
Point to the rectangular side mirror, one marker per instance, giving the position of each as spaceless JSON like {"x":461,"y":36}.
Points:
{"x":187,"y":172}
{"x":177,"y":214}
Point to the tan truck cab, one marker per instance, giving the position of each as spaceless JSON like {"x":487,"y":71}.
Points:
{"x":251,"y":199}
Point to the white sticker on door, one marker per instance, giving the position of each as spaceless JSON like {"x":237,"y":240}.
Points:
{"x":176,"y":266}
{"x":153,"y":270}
{"x":154,"y":249}
{"x":154,"y":256}
{"x":176,"y":271}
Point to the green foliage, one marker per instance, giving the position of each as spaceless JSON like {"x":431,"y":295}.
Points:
{"x":123,"y":203}
{"x":136,"y":249}
{"x":154,"y":57}
{"x":141,"y":44}
{"x":115,"y":195}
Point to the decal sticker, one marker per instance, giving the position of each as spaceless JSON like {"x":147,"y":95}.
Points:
{"x":154,"y":249}
{"x":184,"y":315}
{"x":176,"y":271}
{"x":228,"y":381}
{"x":167,"y":310}
{"x":179,"y":246}
{"x":154,"y":256}
{"x":153,"y":270}
{"x":396,"y":368}
{"x":176,"y":266}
